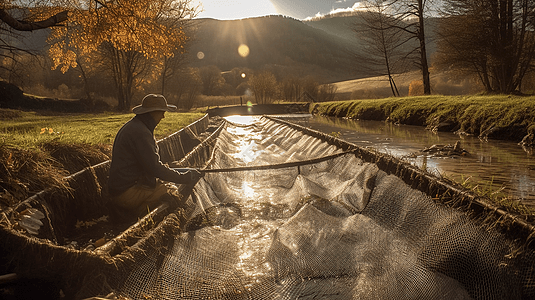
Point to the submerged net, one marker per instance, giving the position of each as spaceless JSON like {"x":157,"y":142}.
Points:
{"x":311,"y":228}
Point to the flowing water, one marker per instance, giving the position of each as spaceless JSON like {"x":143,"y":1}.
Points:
{"x":492,"y":165}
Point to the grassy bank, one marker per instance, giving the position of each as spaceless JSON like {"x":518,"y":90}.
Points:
{"x":37,"y":150}
{"x":499,"y":116}
{"x":31,"y":129}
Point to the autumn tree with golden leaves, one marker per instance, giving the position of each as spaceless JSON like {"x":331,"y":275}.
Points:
{"x":127,"y":33}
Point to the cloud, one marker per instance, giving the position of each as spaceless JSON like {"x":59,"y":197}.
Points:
{"x":357,"y":6}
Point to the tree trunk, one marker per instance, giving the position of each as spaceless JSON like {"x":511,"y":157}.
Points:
{"x":85,"y":79}
{"x":423,"y":51}
{"x":115,"y":59}
{"x":164,"y":75}
{"x":393,"y":86}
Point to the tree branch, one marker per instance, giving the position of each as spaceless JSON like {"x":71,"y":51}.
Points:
{"x":24,"y":26}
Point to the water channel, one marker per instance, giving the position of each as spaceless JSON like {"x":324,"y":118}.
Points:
{"x":492,"y":165}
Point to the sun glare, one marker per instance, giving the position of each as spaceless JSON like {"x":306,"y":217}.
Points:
{"x":236,"y":9}
{"x":242,"y":120}
{"x":243,"y":50}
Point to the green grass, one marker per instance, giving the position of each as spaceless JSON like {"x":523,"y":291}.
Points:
{"x":31,"y":129}
{"x":510,"y":117}
{"x":496,"y":195}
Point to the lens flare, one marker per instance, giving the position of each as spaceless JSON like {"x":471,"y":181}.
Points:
{"x":243,"y":50}
{"x":200,"y":55}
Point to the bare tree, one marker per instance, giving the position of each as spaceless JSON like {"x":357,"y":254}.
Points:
{"x":491,"y":38}
{"x":22,"y":25}
{"x":211,"y":79}
{"x":170,"y":67}
{"x":291,"y":88}
{"x":409,"y":16}
{"x":327,"y":92}
{"x":15,"y":20}
{"x":185,"y":87}
{"x":383,"y":41}
{"x":126,"y":68}
{"x":310,"y":86}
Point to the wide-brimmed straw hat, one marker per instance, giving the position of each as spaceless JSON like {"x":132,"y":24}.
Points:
{"x":153,"y":102}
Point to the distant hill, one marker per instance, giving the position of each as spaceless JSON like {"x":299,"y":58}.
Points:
{"x":340,"y":26}
{"x":275,"y":42}
{"x":442,"y":82}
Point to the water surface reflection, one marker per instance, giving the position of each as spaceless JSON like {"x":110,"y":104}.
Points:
{"x":493,"y":164}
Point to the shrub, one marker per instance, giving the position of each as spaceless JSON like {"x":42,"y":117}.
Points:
{"x":416,"y":88}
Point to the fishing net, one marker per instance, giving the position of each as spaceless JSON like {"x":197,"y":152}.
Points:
{"x":281,"y":214}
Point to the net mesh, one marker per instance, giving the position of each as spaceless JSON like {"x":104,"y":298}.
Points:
{"x":333,"y":229}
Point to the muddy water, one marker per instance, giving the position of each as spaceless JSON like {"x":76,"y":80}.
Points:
{"x":492,"y":165}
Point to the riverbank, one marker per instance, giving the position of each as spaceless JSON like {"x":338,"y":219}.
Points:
{"x":503,"y":117}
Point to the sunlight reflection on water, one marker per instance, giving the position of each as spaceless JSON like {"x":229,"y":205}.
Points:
{"x":248,"y":190}
{"x":254,"y":235}
{"x":493,"y":164}
{"x":242,"y":120}
{"x":247,"y":148}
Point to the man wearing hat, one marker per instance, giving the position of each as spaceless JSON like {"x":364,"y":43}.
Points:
{"x":136,"y":167}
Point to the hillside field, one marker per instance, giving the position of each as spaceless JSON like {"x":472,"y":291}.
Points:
{"x":442,"y":83}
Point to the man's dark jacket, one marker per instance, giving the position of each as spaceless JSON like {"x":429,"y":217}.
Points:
{"x":135,"y":158}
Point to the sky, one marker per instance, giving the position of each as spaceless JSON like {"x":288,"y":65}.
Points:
{"x":298,"y":9}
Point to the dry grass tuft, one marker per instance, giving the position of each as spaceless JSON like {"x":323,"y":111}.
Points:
{"x":25,"y":172}
{"x":75,"y":157}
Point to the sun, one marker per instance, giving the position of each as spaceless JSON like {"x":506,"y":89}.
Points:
{"x":236,"y":9}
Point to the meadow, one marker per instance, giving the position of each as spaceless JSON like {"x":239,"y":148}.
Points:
{"x":29,"y":130}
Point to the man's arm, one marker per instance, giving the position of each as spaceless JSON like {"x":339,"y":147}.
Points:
{"x":150,"y":161}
